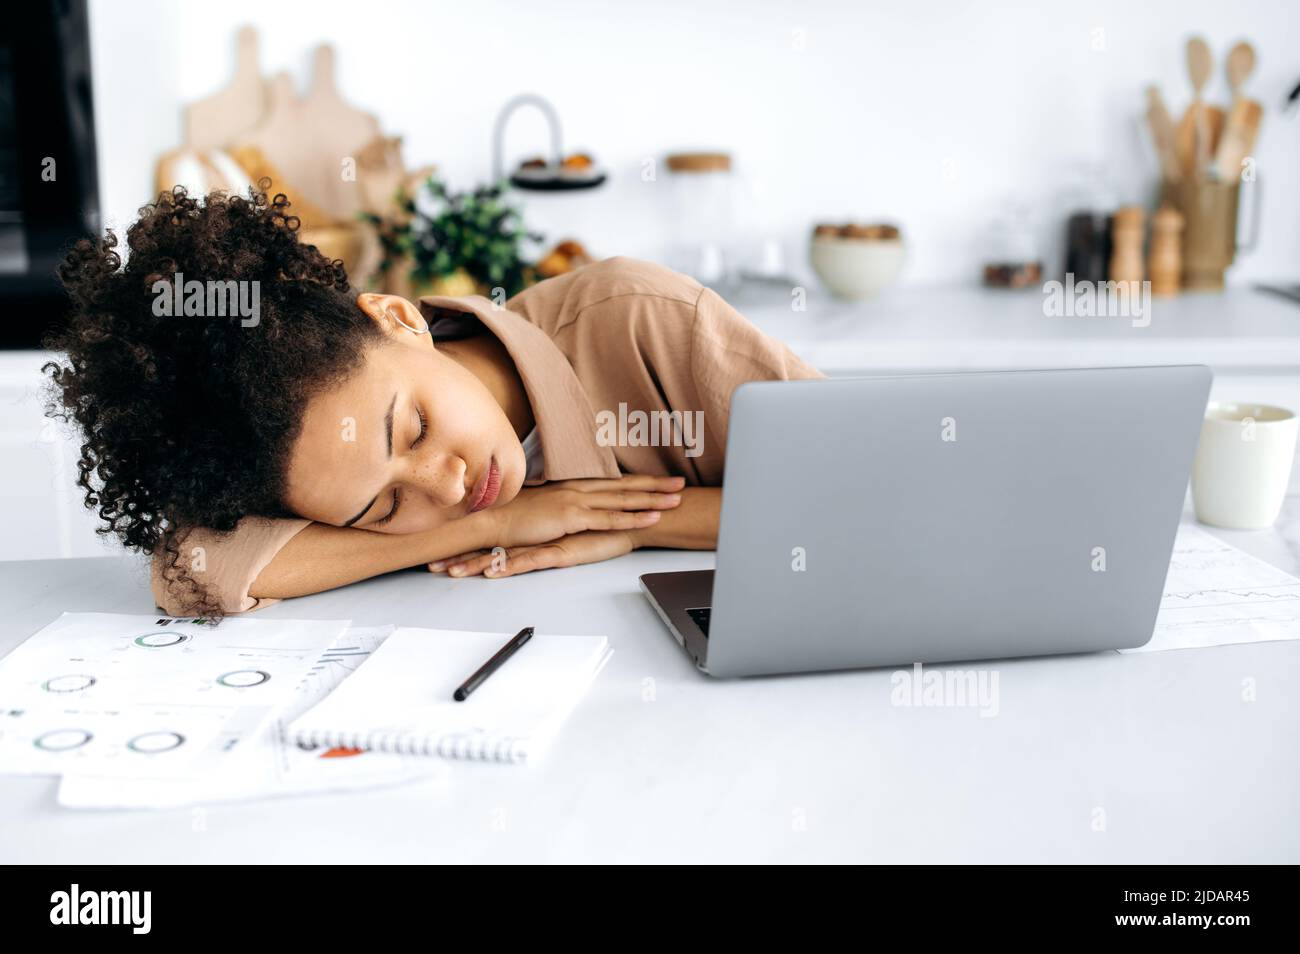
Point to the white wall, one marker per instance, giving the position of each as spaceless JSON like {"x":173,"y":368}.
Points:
{"x":930,"y":113}
{"x":135,"y":66}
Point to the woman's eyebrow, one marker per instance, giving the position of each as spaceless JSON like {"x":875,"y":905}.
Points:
{"x":388,"y":436}
{"x":388,"y":425}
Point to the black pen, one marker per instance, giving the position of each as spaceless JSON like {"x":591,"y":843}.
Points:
{"x":493,"y":664}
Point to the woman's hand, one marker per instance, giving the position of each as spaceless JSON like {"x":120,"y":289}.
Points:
{"x":692,"y":525}
{"x":321,"y":557}
{"x":590,"y":546}
{"x":551,"y":511}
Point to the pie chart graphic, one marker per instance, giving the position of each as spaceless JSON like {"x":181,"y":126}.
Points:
{"x":73,"y":682}
{"x":243,"y":678}
{"x":151,"y":743}
{"x":161,"y":640}
{"x":62,"y":740}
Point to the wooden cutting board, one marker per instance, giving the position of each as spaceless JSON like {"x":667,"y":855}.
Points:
{"x":325,"y":108}
{"x":224,"y":117}
{"x":309,"y":139}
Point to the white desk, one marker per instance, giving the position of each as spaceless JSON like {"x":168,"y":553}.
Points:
{"x":660,"y":763}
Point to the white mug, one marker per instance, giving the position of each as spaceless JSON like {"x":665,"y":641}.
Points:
{"x":1243,"y":465}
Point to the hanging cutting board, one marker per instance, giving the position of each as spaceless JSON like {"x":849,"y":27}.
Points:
{"x":274,"y":138}
{"x":226,"y":116}
{"x":276,"y":134}
{"x":310,"y":139}
{"x":325,"y":108}
{"x":341,"y":132}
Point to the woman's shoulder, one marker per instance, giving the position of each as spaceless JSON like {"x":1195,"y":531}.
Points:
{"x":633,"y":276}
{"x":615,"y":289}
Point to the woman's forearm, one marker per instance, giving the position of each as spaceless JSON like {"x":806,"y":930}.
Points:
{"x":321,"y":557}
{"x":693,"y":525}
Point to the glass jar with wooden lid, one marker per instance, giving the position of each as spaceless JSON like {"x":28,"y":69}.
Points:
{"x":702,"y":215}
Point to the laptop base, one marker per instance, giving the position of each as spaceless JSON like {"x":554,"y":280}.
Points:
{"x":674,"y":596}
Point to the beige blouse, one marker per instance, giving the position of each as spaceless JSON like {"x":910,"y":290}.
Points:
{"x":604,"y":353}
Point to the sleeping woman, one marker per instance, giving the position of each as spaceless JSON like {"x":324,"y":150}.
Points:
{"x":331,"y":435}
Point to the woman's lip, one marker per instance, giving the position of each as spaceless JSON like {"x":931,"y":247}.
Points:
{"x":488,"y":488}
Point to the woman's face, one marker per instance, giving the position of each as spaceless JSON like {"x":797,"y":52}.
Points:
{"x":408,"y":442}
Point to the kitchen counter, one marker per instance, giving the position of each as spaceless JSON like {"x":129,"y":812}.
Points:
{"x":948,"y":328}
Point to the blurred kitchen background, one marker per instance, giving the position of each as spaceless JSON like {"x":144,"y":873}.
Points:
{"x":884,"y":186}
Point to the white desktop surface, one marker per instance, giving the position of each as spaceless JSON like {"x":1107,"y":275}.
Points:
{"x":661,"y":763}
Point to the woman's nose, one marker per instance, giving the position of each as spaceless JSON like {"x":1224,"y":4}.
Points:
{"x":441,"y":477}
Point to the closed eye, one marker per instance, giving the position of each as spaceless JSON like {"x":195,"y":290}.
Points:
{"x":397,"y":496}
{"x":386,"y":518}
{"x":424,"y":429}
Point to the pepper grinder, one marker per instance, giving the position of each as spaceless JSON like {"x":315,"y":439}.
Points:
{"x":1166,"y":263}
{"x":1126,"y":246}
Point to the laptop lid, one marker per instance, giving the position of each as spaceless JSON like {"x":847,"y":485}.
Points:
{"x":890,"y":520}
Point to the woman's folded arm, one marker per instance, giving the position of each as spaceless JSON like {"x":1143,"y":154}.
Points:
{"x":321,"y":557}
{"x":264,"y":560}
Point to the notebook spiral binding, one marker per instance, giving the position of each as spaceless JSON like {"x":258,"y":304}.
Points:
{"x":469,"y":746}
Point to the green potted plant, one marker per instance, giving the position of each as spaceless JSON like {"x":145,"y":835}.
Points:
{"x":460,"y":243}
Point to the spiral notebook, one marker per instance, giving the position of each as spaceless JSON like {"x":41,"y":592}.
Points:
{"x":400,"y":699}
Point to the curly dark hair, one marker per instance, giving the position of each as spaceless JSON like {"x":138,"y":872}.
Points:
{"x":187,"y":422}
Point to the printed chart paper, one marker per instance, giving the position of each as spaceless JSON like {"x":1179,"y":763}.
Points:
{"x":271,"y":764}
{"x":125,"y":695}
{"x":1217,"y":595}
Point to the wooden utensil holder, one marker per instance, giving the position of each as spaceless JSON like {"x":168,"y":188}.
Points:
{"x":1210,"y":229}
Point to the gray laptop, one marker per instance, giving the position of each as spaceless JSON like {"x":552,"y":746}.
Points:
{"x":940,"y":517}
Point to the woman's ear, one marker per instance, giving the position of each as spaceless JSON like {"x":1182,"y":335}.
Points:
{"x":394,"y":315}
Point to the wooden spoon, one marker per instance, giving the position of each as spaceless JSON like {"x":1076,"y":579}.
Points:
{"x":1239,"y":65}
{"x":1188,"y":138}
{"x":1242,"y":127}
{"x":1200,"y":64}
{"x":1162,"y":135}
